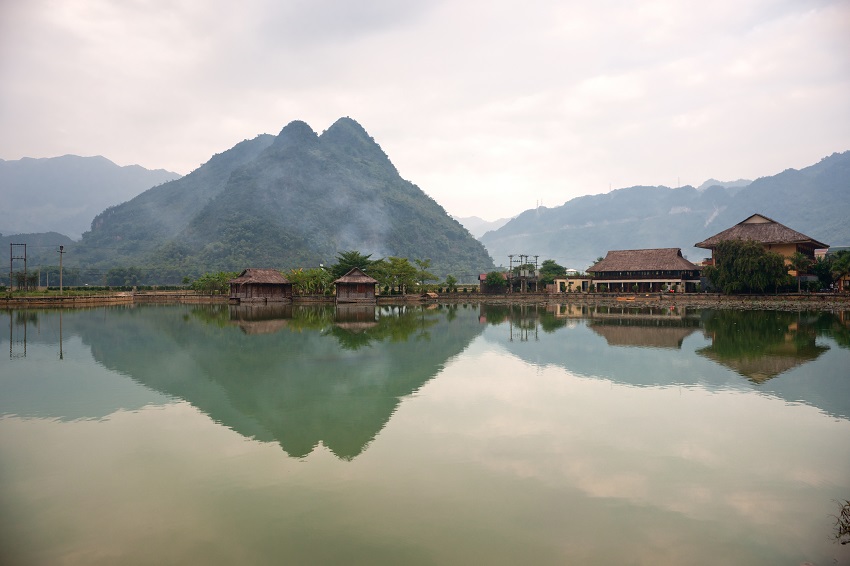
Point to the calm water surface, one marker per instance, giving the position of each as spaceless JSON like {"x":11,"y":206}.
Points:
{"x":448,"y":435}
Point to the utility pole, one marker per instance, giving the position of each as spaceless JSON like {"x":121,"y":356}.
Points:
{"x":12,"y":258}
{"x":61,"y":251}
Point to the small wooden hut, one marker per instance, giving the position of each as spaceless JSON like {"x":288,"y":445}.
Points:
{"x":260,"y":286}
{"x":355,"y":287}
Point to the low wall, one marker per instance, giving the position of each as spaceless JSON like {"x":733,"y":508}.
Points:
{"x":791,"y":301}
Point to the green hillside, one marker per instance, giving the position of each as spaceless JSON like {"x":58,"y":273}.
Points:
{"x":294,"y":200}
{"x":814,"y":200}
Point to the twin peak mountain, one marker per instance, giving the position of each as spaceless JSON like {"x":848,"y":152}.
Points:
{"x":292,"y":200}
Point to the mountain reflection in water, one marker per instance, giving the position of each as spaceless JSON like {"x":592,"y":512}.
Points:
{"x":646,"y":347}
{"x":302,"y":376}
{"x":295,"y":375}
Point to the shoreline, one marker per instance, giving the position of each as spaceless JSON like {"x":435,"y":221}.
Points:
{"x":786,"y":302}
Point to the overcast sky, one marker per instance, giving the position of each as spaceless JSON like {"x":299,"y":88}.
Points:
{"x":490,"y":106}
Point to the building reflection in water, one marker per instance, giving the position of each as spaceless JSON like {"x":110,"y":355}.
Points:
{"x":761,"y":345}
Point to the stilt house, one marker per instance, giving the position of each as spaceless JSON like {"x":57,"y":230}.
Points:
{"x":645,"y":271}
{"x":355,"y":287}
{"x":260,"y":286}
{"x":774,"y":236}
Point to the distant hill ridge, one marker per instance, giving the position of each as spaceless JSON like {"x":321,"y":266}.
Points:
{"x":814,"y":200}
{"x":63,"y":194}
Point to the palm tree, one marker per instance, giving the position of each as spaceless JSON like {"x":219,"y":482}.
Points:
{"x":800,"y":263}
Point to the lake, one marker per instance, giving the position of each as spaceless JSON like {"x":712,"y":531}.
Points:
{"x":446,"y":434}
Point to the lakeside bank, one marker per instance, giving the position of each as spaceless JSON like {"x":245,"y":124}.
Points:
{"x":784,"y":302}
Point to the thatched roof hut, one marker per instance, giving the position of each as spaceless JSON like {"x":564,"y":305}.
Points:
{"x":355,"y":287}
{"x":260,"y":285}
{"x":645,"y":270}
{"x":636,"y":261}
{"x":770,"y":233}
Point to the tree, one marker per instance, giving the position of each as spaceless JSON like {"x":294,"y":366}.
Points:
{"x":346,"y":261}
{"x":423,"y":274}
{"x":799,"y":263}
{"x":214,"y":282}
{"x":841,"y":264}
{"x":124,"y":276}
{"x":550,"y":270}
{"x":451,"y":283}
{"x":312,"y":281}
{"x":395,"y":272}
{"x":20,"y":280}
{"x":822,"y":268}
{"x":495,"y":281}
{"x":742,"y":266}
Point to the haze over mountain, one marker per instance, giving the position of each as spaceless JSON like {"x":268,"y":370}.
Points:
{"x":739,"y":184}
{"x":287,"y":201}
{"x":63,"y":194}
{"x":478,"y":226}
{"x":814,"y":200}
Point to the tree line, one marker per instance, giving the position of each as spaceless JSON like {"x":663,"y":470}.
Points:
{"x":394,"y":275}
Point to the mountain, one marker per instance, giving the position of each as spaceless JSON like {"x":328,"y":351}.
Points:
{"x":739,"y":184}
{"x":42,"y":249}
{"x":63,"y":194}
{"x":814,"y":200}
{"x":292,"y":200}
{"x":478,"y":226}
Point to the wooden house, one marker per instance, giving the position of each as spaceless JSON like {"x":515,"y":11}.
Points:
{"x":643,"y":271}
{"x":260,"y":286}
{"x":355,"y":287}
{"x":774,"y":236}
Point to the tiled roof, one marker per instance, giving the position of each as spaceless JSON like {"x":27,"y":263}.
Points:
{"x":658,"y":259}
{"x":761,"y":229}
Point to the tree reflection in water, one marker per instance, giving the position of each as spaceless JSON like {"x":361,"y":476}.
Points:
{"x":761,"y":345}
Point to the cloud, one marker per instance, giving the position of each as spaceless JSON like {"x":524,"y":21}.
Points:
{"x":521,"y":101}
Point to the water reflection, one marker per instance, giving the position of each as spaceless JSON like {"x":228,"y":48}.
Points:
{"x":298,"y":376}
{"x":672,"y":347}
{"x":644,"y":328}
{"x":763,"y":345}
{"x":302,"y":376}
{"x":260,"y":319}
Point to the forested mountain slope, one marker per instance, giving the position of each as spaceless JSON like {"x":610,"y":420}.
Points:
{"x":814,"y":200}
{"x":292,"y":200}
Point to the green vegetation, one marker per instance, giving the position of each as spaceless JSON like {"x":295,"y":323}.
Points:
{"x":312,"y":281}
{"x":422,"y":274}
{"x":801,"y":264}
{"x":291,"y":201}
{"x":495,"y":282}
{"x":831,"y":268}
{"x":348,"y":260}
{"x":396,"y":273}
{"x":214,"y":282}
{"x":743,"y":266}
{"x":550,"y":270}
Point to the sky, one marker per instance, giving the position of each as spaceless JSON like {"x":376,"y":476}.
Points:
{"x":492,"y":107}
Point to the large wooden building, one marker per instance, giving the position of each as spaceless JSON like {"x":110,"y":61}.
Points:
{"x":260,"y":286}
{"x":643,"y":271}
{"x":774,"y":236}
{"x":355,"y":287}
